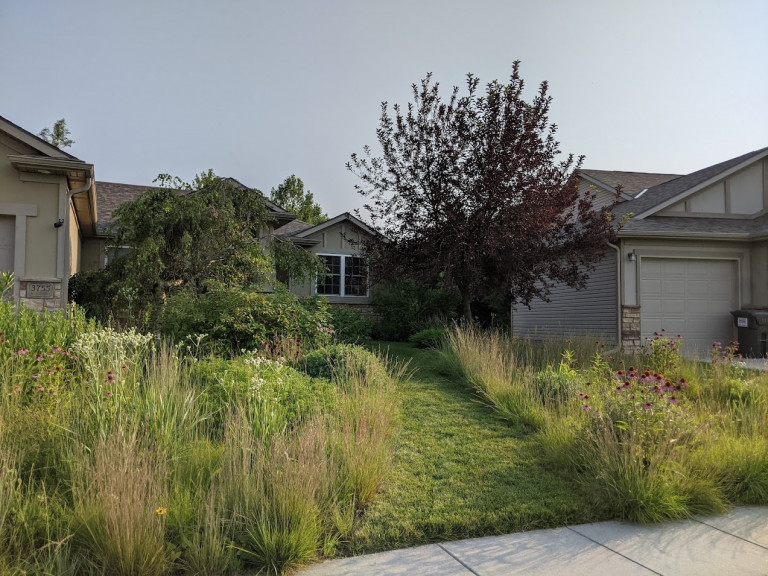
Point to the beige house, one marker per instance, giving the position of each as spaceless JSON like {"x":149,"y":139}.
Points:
{"x":337,"y":242}
{"x":47,"y":208}
{"x":693,"y":249}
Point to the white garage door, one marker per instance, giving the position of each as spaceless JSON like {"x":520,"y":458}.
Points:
{"x":691,"y":297}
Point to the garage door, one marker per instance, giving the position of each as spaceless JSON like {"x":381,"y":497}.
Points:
{"x":691,"y":297}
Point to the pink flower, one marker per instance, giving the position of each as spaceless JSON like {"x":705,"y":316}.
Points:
{"x":110,"y":376}
{"x":36,"y":375}
{"x":586,"y":407}
{"x":672,"y":399}
{"x":21,"y":352}
{"x":648,"y":406}
{"x":39,"y":358}
{"x":109,"y":394}
{"x":41,"y":388}
{"x":55,"y":349}
{"x":17,"y":388}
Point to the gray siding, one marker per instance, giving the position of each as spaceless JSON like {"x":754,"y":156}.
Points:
{"x":591,"y":311}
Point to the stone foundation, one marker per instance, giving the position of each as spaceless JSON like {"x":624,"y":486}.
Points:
{"x":631,"y":342}
{"x":40,"y":295}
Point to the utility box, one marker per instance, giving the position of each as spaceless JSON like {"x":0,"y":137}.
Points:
{"x":753,"y":332}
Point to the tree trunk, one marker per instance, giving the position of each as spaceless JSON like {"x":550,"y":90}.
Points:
{"x":466,"y":300}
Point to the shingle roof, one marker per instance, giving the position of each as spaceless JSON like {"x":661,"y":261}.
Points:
{"x":292,"y":228}
{"x":668,"y":190}
{"x":110,"y":196}
{"x":737,"y":227}
{"x":631,"y":182}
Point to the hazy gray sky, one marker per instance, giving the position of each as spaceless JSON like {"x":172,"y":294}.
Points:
{"x":259,"y":90}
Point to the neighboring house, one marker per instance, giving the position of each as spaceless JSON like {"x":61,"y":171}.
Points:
{"x":338,"y":242}
{"x":99,"y":249}
{"x":693,"y":249}
{"x":47,"y":208}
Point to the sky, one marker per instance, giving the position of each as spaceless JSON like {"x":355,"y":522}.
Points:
{"x":259,"y":90}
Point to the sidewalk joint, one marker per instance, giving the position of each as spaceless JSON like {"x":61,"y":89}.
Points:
{"x":444,"y":549}
{"x":731,"y":534}
{"x":614,"y":551}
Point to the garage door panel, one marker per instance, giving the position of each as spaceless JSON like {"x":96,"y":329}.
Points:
{"x":673,"y":306}
{"x":651,"y":287}
{"x":697,"y":307}
{"x":673,"y":287}
{"x":691,"y":297}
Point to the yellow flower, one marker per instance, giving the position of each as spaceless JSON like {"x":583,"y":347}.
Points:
{"x":160,"y":511}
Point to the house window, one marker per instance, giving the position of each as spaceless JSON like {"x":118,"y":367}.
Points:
{"x":114,"y":252}
{"x":345,"y":276}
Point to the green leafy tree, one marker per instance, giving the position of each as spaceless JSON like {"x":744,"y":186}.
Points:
{"x":292,"y":196}
{"x":58,"y":135}
{"x":471,"y":192}
{"x":212,"y":233}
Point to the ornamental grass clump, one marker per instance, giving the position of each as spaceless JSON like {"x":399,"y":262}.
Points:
{"x":120,"y":495}
{"x":629,"y":438}
{"x":486,"y":362}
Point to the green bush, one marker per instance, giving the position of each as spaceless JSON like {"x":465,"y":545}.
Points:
{"x":342,"y":361}
{"x":404,"y":307}
{"x":236,"y":320}
{"x":350,"y":326}
{"x":429,"y":338}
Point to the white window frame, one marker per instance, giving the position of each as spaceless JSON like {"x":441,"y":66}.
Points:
{"x":342,"y":282}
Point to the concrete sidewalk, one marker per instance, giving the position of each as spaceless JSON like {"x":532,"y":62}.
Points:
{"x":735,"y":543}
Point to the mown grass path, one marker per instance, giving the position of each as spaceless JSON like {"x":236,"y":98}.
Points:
{"x":459,"y":470}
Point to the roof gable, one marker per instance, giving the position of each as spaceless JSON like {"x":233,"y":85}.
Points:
{"x":631,"y":183}
{"x":668,"y":193}
{"x":38,"y":145}
{"x":346,"y":216}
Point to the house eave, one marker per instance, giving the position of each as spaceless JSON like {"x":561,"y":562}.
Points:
{"x":733,"y":236}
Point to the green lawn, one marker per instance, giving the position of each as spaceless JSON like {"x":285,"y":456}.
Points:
{"x":459,"y":470}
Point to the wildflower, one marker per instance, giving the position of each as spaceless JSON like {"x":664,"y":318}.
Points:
{"x":17,"y":388}
{"x":648,"y":406}
{"x":21,"y":352}
{"x":55,"y":349}
{"x":672,"y":399}
{"x":38,"y":358}
{"x":109,"y":394}
{"x":41,"y":388}
{"x":586,"y":407}
{"x":160,"y":511}
{"x":124,"y":367}
{"x":36,"y":375}
{"x":110,"y":376}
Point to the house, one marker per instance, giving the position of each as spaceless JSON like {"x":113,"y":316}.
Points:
{"x":48,"y":207}
{"x":336,"y":241}
{"x":693,"y":248}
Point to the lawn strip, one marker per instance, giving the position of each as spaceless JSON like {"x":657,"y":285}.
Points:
{"x":459,"y":471}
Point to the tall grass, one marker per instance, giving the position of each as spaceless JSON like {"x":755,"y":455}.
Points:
{"x":120,"y":498}
{"x":643,"y":445}
{"x":490,"y":365}
{"x":121,"y":455}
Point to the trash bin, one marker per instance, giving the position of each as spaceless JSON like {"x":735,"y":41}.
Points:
{"x":753,"y":332}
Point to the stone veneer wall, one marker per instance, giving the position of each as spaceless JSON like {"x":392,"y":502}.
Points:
{"x":630,"y":329}
{"x":40,"y":303}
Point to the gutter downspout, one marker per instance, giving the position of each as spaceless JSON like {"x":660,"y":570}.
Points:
{"x":68,"y":253}
{"x":618,"y":299}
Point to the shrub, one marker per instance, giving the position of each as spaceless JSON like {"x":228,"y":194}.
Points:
{"x":350,"y":326}
{"x":342,"y":361}
{"x":404,"y":307}
{"x":237,"y":320}
{"x":429,"y":338}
